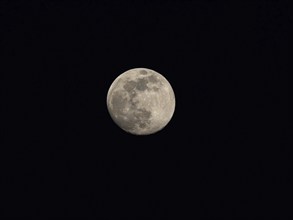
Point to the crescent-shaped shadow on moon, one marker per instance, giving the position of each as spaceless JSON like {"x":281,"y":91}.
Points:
{"x":141,"y":101}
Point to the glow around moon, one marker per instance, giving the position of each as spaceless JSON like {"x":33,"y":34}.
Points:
{"x":141,"y":101}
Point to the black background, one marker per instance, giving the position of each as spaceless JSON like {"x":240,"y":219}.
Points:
{"x":225,"y":153}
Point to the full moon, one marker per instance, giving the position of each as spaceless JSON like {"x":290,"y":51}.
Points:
{"x":141,"y":101}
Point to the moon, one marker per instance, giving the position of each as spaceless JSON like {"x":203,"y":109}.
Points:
{"x":141,"y":101}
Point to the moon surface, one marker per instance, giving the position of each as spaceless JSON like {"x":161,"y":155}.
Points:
{"x":141,"y":101}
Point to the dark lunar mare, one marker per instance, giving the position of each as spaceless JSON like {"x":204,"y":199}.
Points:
{"x":143,"y":72}
{"x":141,"y":84}
{"x":153,"y":79}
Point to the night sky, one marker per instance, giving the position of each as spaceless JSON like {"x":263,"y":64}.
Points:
{"x":225,"y":153}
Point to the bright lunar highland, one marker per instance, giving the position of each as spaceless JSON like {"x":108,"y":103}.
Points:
{"x":141,"y":101}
